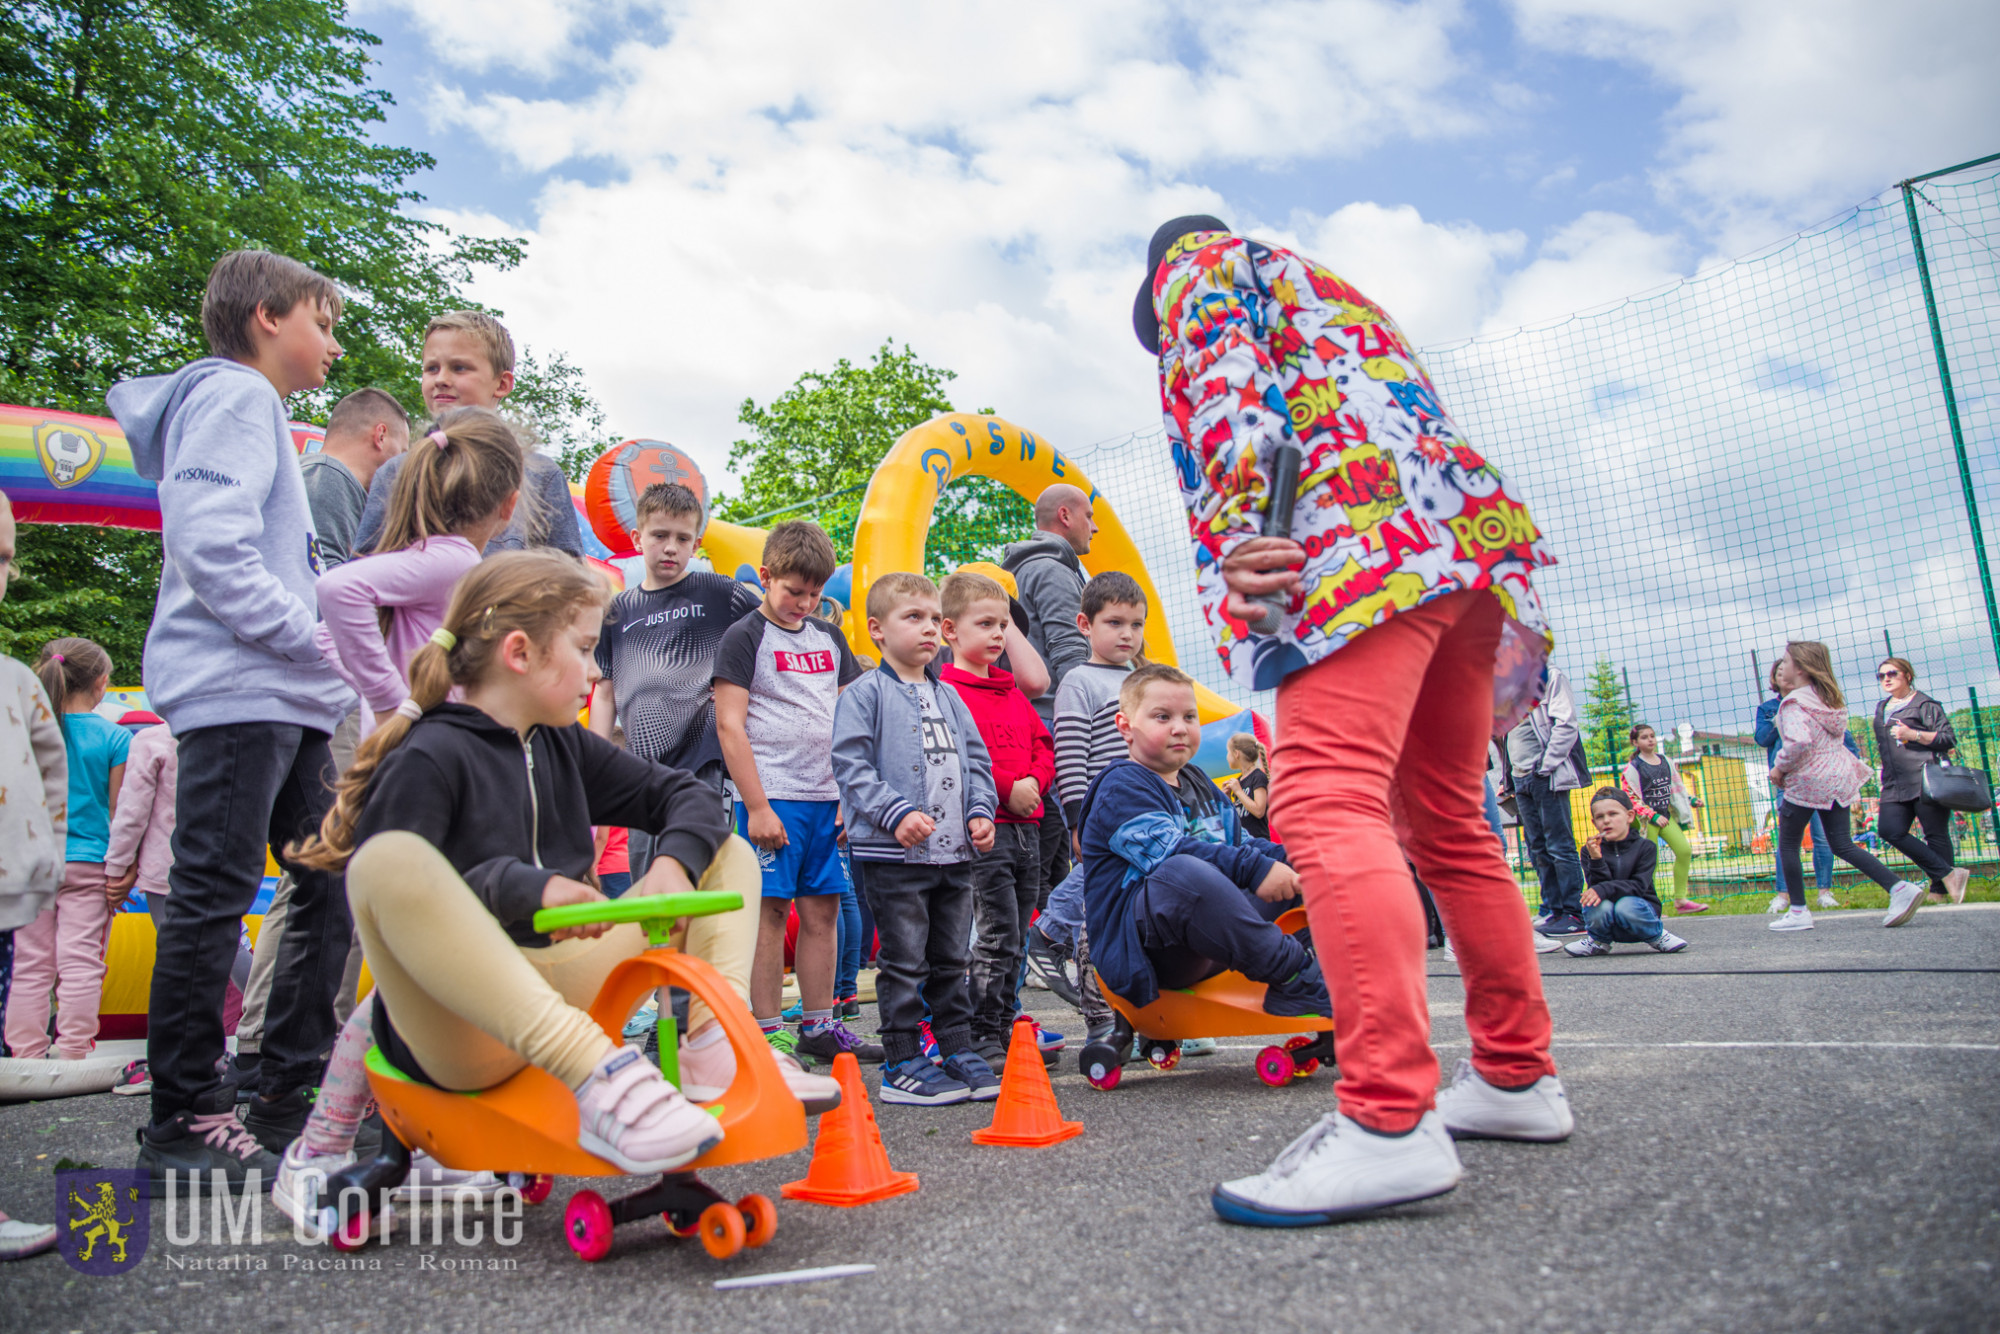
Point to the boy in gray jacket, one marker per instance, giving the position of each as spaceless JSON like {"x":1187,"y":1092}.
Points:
{"x":916,"y":792}
{"x":230,"y":664}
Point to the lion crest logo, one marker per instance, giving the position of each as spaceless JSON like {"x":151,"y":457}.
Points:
{"x":69,"y":454}
{"x":107,"y":1219}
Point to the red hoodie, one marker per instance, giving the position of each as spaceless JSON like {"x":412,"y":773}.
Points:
{"x":1013,"y":732}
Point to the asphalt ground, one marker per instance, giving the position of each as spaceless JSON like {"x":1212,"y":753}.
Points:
{"x":1773,"y":1132}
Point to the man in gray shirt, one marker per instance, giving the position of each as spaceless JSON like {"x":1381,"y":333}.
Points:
{"x":1546,"y":761}
{"x":365,"y":431}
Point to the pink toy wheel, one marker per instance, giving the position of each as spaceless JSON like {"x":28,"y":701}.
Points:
{"x":1274,"y":1067}
{"x":538,"y":1187}
{"x":1163,"y":1055}
{"x":1311,"y":1063}
{"x":1102,"y":1075}
{"x":353,"y":1234}
{"x":587,"y":1225}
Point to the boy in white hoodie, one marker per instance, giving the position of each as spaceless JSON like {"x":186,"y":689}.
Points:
{"x":231,"y":665}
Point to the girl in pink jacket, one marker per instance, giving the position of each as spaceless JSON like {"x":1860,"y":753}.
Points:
{"x":1817,"y":772}
{"x":457,"y":491}
{"x":140,"y":852}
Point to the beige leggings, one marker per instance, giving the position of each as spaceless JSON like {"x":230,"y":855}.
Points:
{"x":475,"y":1007}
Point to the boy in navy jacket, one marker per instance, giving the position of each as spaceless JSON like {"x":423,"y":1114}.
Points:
{"x":1174,"y":892}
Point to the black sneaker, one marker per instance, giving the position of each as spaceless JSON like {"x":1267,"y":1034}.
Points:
{"x":992,"y":1051}
{"x":368,"y":1137}
{"x":847,"y":1009}
{"x":1562,"y":924}
{"x":970,"y":1069}
{"x":830,"y":1039}
{"x":1051,"y":966}
{"x":276,"y":1124}
{"x":1304,"y":993}
{"x":918,"y":1083}
{"x":193,"y":1144}
{"x":240,"y":1074}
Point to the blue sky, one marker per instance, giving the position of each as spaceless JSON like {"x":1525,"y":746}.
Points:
{"x":716,"y":198}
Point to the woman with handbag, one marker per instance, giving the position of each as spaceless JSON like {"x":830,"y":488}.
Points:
{"x":1662,"y":808}
{"x":1817,"y":773}
{"x":1912,"y":732}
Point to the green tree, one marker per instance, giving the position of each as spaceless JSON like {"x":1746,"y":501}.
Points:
{"x":826,"y":434}
{"x":139,"y":140}
{"x":974,"y":519}
{"x":1607,"y":714}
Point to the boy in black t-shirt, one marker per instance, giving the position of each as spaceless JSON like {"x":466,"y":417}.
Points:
{"x":657,"y":652}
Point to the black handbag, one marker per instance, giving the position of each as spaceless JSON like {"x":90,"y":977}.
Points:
{"x":1958,"y":788}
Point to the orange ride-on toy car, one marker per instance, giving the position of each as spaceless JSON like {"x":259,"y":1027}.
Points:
{"x":1227,"y":1005}
{"x":526,"y":1126}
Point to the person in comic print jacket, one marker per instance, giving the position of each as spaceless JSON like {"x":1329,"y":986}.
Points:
{"x":1410,"y":635}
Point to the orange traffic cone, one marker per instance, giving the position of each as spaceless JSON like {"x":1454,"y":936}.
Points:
{"x":849,"y":1164}
{"x":1026,"y":1114}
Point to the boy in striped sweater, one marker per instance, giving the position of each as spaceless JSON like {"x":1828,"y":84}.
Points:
{"x":1113,"y":619}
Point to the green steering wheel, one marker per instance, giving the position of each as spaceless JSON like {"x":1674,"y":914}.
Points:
{"x":657,"y":913}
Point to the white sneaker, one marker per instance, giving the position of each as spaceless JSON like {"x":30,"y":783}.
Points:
{"x":1904,"y":899}
{"x":1547,"y":944}
{"x":1779,"y":903}
{"x":20,"y":1240}
{"x":1471,"y":1108}
{"x":1795,"y":919}
{"x":1955,"y":883}
{"x":1585,"y":947}
{"x":1668,"y":943}
{"x":707,"y":1071}
{"x":444,"y":1183}
{"x":301,"y":1183}
{"x":1339,"y":1170}
{"x":1451,"y":955}
{"x":629,"y":1115}
{"x":1827,"y":900}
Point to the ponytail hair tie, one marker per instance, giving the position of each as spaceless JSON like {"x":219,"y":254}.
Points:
{"x":440,"y":439}
{"x":410,"y":709}
{"x":55,"y":657}
{"x":444,"y":639}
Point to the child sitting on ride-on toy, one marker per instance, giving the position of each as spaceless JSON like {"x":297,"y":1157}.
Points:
{"x":1174,"y":892}
{"x":458,"y":821}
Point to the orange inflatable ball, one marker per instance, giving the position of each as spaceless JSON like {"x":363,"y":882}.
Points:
{"x":611,"y":492}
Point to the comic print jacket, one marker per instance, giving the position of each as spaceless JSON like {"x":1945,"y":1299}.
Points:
{"x":1395,"y":506}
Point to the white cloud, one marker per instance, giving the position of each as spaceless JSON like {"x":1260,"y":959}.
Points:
{"x":1790,"y":111}
{"x":534,"y":36}
{"x":1598,"y":258}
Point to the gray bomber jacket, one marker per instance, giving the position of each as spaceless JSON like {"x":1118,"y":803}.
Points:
{"x":878,"y":760}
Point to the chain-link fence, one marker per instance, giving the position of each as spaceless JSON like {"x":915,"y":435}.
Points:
{"x":1759,"y":453}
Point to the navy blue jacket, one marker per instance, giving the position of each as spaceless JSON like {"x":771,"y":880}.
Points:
{"x":1124,"y":792}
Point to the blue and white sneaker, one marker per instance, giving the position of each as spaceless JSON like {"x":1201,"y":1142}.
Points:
{"x":928,"y":1041}
{"x":794,"y":1013}
{"x":1198,"y":1046}
{"x":1048,"y":1040}
{"x":918,"y":1083}
{"x":970,"y":1069}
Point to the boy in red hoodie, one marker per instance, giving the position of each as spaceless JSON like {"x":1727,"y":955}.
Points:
{"x":1007,"y":880}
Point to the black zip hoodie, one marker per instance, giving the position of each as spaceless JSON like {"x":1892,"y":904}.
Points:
{"x":509,"y":813}
{"x":1624,"y":868}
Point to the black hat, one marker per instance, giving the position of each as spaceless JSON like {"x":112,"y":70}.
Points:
{"x":1144,"y":322}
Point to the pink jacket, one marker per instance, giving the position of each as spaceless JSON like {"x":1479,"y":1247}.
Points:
{"x":1813,"y":762}
{"x":142,"y":828}
{"x":415,"y":585}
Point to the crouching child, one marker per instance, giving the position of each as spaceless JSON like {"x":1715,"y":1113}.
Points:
{"x":1619,"y":901}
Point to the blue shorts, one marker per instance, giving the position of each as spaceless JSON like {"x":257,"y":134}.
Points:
{"x":810,"y":862}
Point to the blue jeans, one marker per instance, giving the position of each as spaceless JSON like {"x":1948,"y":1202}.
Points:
{"x":847,"y":967}
{"x":1822,"y":856}
{"x":1631,"y":919}
{"x":1493,"y":812}
{"x":1545,"y":828}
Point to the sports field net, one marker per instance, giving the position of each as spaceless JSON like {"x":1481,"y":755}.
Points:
{"x":1756,"y":454}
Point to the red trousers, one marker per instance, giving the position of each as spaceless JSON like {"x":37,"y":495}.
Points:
{"x":1394,"y":727}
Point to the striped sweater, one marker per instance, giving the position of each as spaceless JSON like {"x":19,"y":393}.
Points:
{"x":1087,"y":740}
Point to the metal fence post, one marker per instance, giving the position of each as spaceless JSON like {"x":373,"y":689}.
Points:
{"x":1909,"y":189}
{"x":1979,"y":731}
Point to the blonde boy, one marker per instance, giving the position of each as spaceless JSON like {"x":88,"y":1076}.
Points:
{"x":468,"y":362}
{"x":916,"y":788}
